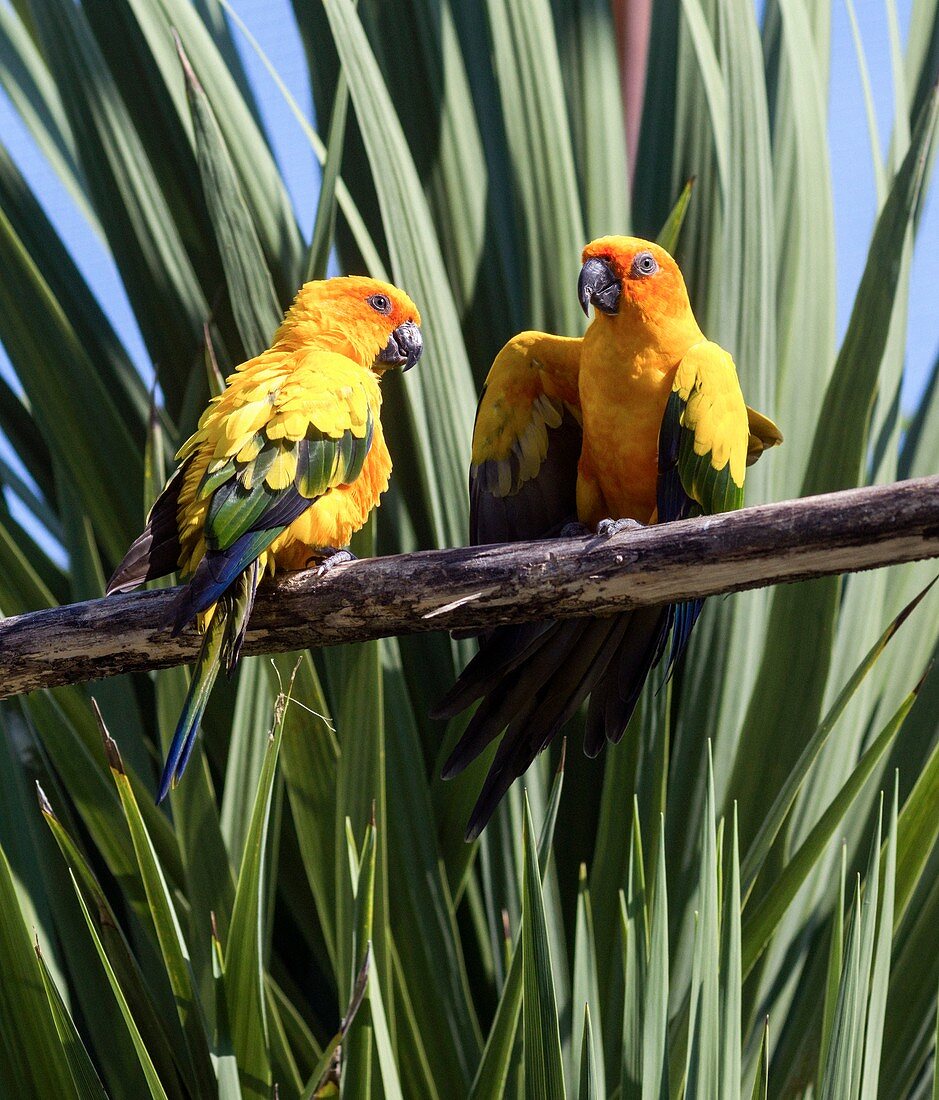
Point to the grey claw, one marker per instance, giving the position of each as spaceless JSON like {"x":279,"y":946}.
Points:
{"x":574,"y":531}
{"x":606,"y":528}
{"x":337,"y":557}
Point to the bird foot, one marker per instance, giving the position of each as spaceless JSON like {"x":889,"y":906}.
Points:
{"x":574,"y":531}
{"x":606,"y":528}
{"x":329,"y":558}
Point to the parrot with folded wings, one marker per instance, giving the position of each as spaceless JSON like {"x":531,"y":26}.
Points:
{"x":286,"y":463}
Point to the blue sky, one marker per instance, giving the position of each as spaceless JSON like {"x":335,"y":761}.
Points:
{"x":271,"y":21}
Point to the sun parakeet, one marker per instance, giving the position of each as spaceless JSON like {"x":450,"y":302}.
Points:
{"x":641,"y":421}
{"x":285,"y":465}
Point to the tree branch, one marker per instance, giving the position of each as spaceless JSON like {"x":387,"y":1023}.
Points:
{"x":478,"y":587}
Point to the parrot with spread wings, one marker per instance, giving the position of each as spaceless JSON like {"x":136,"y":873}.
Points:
{"x":286,"y":463}
{"x":640,"y":421}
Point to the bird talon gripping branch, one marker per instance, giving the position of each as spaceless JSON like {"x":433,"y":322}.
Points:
{"x":290,"y":457}
{"x":574,"y":531}
{"x":607,"y":528}
{"x":337,"y":557}
{"x":641,"y":421}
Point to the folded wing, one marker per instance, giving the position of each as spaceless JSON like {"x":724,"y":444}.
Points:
{"x":707,"y":439}
{"x":273,"y":443}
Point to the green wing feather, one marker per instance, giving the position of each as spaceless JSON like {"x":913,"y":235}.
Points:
{"x":703,"y":448}
{"x":715,"y":490}
{"x":243,"y":501}
{"x":235,"y":510}
{"x":705,"y":432}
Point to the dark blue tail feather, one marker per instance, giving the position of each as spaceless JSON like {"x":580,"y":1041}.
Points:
{"x":682,"y":617}
{"x":200,"y":687}
{"x":217,"y":572}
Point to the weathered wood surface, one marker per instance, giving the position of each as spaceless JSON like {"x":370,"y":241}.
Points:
{"x":482,"y":586}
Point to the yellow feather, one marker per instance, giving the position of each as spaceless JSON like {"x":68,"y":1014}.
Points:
{"x":549,"y":411}
{"x":278,"y":395}
{"x":246,"y":420}
{"x":283,"y":470}
{"x":251,"y":449}
{"x":189,"y":447}
{"x":291,"y":425}
{"x":707,"y":380}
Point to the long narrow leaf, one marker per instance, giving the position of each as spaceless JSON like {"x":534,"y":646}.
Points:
{"x":165,"y":921}
{"x":880,"y":972}
{"x":442,"y":399}
{"x":760,"y":922}
{"x":585,"y":991}
{"x":544,"y":1073}
{"x":655,"y":1021}
{"x":324,"y":224}
{"x":588,"y":1089}
{"x":38,"y":1063}
{"x":85,"y":1077}
{"x":153,"y":1081}
{"x":775,"y":817}
{"x":168,"y":1057}
{"x":835,"y":462}
{"x":253,"y":297}
{"x":244,"y":953}
{"x":731,"y":978}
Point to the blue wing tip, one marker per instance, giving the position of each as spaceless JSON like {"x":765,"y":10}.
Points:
{"x":180,"y":749}
{"x":193,"y":600}
{"x":167,"y":782}
{"x":171,"y":769}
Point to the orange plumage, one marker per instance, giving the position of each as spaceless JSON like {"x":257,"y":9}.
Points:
{"x":640,"y":421}
{"x":285,"y":465}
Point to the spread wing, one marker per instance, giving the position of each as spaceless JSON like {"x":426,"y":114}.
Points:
{"x":526,"y":441}
{"x":523,"y":480}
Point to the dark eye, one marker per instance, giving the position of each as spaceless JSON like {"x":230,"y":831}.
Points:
{"x":643,"y":265}
{"x":380,"y":303}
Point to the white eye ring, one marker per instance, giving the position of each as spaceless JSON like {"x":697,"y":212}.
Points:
{"x":380,"y":303}
{"x":643,"y":265}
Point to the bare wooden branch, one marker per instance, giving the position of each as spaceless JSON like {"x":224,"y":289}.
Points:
{"x":478,"y":587}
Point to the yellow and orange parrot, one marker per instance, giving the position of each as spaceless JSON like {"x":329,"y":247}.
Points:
{"x":641,"y":421}
{"x":285,"y":465}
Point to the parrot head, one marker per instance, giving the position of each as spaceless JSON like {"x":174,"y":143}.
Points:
{"x":374,"y":323}
{"x":631,"y":278}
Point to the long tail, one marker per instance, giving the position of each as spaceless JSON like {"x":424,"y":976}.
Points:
{"x":200,"y":687}
{"x":532,"y":679}
{"x":221,"y":645}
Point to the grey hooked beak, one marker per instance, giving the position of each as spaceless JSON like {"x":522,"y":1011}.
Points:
{"x":598,"y":284}
{"x":404,"y":347}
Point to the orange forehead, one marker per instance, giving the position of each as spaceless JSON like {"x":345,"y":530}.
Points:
{"x":347,"y":290}
{"x":621,"y":251}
